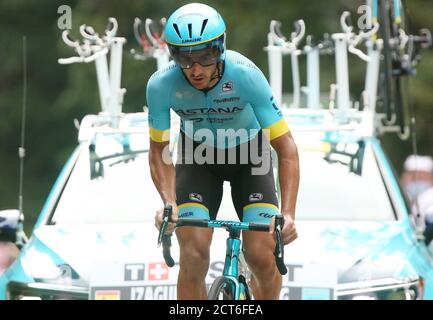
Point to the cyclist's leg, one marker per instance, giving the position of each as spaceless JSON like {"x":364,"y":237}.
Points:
{"x":198,"y":195}
{"x":255,"y":200}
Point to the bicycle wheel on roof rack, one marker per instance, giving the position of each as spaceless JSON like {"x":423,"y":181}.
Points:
{"x":386,"y":30}
{"x":221,"y":289}
{"x":392,"y":19}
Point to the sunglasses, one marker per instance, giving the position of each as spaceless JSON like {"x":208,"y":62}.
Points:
{"x":204,"y":57}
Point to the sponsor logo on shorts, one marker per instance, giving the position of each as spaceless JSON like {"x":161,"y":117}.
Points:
{"x":196,"y":197}
{"x":266,"y":215}
{"x":186,"y":214}
{"x":256,"y":196}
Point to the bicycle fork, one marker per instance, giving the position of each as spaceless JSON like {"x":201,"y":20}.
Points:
{"x":231,"y":266}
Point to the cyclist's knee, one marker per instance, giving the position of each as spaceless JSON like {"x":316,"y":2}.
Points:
{"x":260,"y":262}
{"x":194,"y":247}
{"x":195,"y":255}
{"x":258,"y":252}
{"x":194,"y":262}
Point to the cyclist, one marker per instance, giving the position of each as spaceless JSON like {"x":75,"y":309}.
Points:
{"x":226,"y":108}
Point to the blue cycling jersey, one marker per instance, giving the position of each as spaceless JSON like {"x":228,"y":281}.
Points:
{"x":239,"y":105}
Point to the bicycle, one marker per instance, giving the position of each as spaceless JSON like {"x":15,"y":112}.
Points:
{"x":401,"y":53}
{"x":230,"y":285}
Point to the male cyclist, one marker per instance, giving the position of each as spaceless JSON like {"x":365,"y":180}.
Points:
{"x":227,"y":116}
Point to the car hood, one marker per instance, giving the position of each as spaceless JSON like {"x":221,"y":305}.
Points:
{"x":347,"y":247}
{"x":370,"y":250}
{"x":83,"y":246}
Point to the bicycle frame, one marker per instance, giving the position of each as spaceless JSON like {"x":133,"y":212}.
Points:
{"x":231,"y":265}
{"x":233,"y":246}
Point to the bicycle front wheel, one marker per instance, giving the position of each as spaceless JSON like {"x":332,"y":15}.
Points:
{"x":221,"y":289}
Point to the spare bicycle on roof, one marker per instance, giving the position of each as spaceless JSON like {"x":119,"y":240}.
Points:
{"x":389,"y":54}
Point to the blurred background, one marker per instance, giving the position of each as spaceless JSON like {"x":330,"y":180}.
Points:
{"x":58,"y":94}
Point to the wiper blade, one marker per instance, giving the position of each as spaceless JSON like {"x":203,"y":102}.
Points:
{"x":96,"y":163}
{"x":128,"y":156}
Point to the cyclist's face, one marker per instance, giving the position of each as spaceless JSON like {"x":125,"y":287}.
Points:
{"x":199,"y":66}
{"x":201,"y":77}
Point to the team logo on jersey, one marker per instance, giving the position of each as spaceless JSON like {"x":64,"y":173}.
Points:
{"x":228,"y":86}
{"x":226,"y":100}
{"x":196,"y":197}
{"x":256,"y":197}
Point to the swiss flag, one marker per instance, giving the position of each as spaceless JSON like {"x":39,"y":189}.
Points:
{"x":158,"y":271}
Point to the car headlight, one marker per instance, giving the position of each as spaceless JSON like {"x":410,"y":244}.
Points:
{"x":383,"y":289}
{"x":44,"y":291}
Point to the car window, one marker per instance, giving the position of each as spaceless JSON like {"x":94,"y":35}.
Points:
{"x":120,"y":189}
{"x":109,"y":184}
{"x":339,"y":187}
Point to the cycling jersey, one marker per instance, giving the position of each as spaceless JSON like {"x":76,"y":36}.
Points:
{"x":241,"y":103}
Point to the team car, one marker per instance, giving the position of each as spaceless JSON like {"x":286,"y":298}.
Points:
{"x":95,"y":237}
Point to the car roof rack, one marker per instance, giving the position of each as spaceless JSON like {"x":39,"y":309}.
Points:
{"x":95,"y":48}
{"x":342,"y":113}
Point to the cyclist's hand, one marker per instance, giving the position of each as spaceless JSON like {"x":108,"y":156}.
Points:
{"x":159,"y":217}
{"x":289,"y":229}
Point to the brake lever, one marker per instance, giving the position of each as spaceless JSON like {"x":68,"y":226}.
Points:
{"x":166,"y":218}
{"x":279,"y":246}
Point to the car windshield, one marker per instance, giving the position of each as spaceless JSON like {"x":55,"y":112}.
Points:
{"x":110,"y":183}
{"x":341,"y":183}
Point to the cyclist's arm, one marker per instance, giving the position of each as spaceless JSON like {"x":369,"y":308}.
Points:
{"x":275,"y":127}
{"x":162,"y":171}
{"x":160,"y":162}
{"x":288,"y":176}
{"x":288,"y":171}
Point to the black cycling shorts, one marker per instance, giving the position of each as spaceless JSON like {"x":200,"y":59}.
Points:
{"x":199,"y":187}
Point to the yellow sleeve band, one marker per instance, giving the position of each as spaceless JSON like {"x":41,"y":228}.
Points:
{"x":277,"y":129}
{"x":159,"y":135}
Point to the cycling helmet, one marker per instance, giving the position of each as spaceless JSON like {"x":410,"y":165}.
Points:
{"x":193,"y":27}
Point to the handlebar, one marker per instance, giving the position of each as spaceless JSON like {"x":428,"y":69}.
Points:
{"x":229,"y":225}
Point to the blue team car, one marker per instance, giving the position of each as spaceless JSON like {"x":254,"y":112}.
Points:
{"x":95,"y":237}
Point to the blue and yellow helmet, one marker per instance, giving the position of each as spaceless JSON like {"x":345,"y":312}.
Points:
{"x":195,"y":26}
